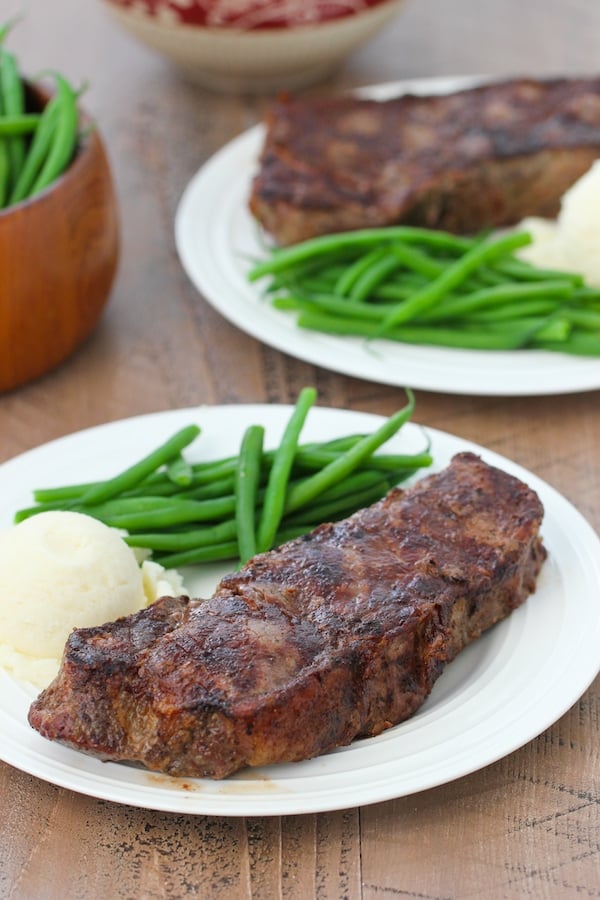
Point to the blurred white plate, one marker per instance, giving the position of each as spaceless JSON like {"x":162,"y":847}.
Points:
{"x":217,"y":237}
{"x":501,"y":692}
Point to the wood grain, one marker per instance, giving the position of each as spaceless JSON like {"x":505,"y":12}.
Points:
{"x":527,"y":826}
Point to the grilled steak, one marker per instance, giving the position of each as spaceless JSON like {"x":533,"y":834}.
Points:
{"x":481,"y":157}
{"x":332,"y":636}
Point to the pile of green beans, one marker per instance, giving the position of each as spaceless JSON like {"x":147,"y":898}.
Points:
{"x":421,"y":286}
{"x":187,"y":513}
{"x":36,"y":147}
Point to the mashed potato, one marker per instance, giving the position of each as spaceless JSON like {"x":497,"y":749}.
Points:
{"x":60,"y":570}
{"x":572,"y":242}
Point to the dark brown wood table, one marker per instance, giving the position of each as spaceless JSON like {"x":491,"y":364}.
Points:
{"x":524,"y":826}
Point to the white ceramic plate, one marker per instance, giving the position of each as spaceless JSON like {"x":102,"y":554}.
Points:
{"x":216,"y":238}
{"x":498,"y":694}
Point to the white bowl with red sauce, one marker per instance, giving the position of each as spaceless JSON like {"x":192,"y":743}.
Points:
{"x":253,"y":46}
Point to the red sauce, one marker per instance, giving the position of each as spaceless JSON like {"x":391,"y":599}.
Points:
{"x":250,"y":15}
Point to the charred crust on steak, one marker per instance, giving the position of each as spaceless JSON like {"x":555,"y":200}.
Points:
{"x":486,"y":156}
{"x":330,"y":637}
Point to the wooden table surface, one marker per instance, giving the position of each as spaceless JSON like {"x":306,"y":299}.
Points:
{"x":525,"y":826}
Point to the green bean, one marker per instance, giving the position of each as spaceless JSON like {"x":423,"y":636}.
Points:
{"x":310,"y":285}
{"x":473,"y":339}
{"x":346,"y":493}
{"x":29,"y":511}
{"x":185,"y":540}
{"x":274,"y":501}
{"x":419,"y":262}
{"x":320,"y":246}
{"x":37,"y":152}
{"x":373,"y":276}
{"x":341,"y":443}
{"x":586,"y":295}
{"x":60,"y":494}
{"x":328,"y":270}
{"x":179,"y":472}
{"x":553,"y":328}
{"x":295,"y":531}
{"x":17,"y":125}
{"x":456,"y":307}
{"x":156,"y":483}
{"x":178,"y":513}
{"x":332,"y":304}
{"x":348,"y":487}
{"x":488,"y":277}
{"x":64,"y":138}
{"x":207,"y":554}
{"x":134,"y":474}
{"x":124,"y":505}
{"x":346,"y":282}
{"x":386,"y":462}
{"x":246,"y":490}
{"x":204,"y":473}
{"x":508,"y":311}
{"x":521,"y":269}
{"x":579,"y":343}
{"x":341,"y":507}
{"x":587,"y":319}
{"x":451,"y":277}
{"x":13,"y":97}
{"x":303,"y":494}
{"x":206,"y":490}
{"x":393,"y":291}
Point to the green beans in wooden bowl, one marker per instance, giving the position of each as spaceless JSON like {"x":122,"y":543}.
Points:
{"x":59,"y":229}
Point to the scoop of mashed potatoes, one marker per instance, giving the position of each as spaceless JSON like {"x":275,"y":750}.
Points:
{"x":572,"y":242}
{"x":61,"y":570}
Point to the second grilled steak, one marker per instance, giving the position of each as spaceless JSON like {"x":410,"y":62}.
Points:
{"x":487,"y":156}
{"x":332,"y":636}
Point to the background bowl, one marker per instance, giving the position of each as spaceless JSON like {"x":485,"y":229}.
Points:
{"x":252,"y":45}
{"x":58,"y":258}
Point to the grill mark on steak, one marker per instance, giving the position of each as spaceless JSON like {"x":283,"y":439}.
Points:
{"x":332,"y":636}
{"x":486,"y":156}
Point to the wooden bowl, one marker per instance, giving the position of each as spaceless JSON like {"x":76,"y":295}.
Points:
{"x":58,"y":259}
